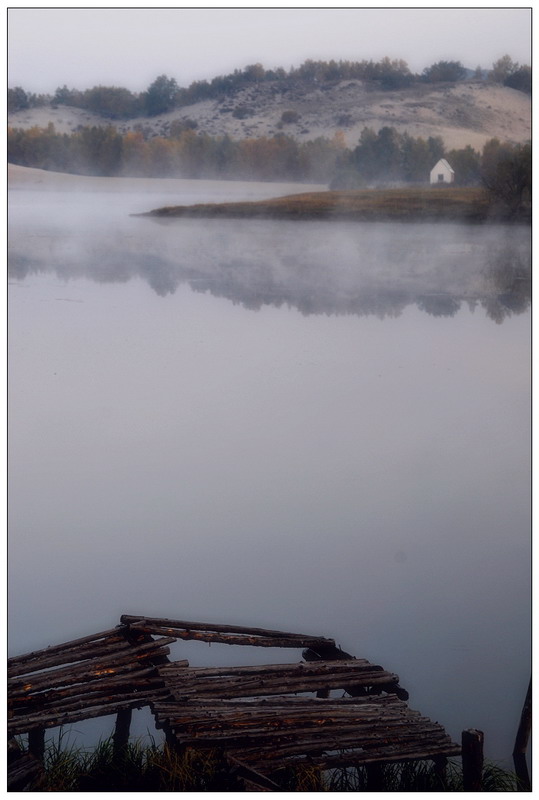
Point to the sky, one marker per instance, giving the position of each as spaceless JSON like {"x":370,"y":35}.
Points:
{"x":130,"y":47}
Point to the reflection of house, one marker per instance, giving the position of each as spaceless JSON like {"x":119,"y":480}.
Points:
{"x":442,"y":172}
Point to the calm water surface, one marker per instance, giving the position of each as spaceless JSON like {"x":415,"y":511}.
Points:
{"x":314,"y":427}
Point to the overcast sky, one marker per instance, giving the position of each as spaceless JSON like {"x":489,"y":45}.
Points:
{"x":84,"y":47}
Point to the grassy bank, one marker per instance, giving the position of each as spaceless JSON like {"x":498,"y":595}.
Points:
{"x":427,"y":204}
{"x":156,"y":768}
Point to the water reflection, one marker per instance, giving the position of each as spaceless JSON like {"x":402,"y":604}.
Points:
{"x":332,"y":269}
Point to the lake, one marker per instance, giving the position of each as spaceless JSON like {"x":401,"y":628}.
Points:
{"x":321,"y":427}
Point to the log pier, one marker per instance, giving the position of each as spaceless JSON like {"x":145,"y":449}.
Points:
{"x":264,"y":718}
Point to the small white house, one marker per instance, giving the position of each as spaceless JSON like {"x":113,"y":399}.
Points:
{"x":442,"y":172}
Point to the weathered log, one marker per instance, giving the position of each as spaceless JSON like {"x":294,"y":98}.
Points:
{"x":215,"y":716}
{"x":87,"y":669}
{"x":404,"y":744}
{"x":286,"y":680}
{"x":85,"y":700}
{"x":22,"y":774}
{"x":357,"y":758}
{"x":330,"y":652}
{"x":260,"y":687}
{"x":71,"y":656}
{"x":138,"y":679}
{"x":222,"y":638}
{"x":59,"y":647}
{"x":129,"y":619}
{"x":297,"y":667}
{"x":286,"y":701}
{"x":304,"y":737}
{"x":55,"y":720}
{"x":248,"y":773}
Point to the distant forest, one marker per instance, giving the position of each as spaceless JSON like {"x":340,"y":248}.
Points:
{"x":380,"y":158}
{"x":385,"y":157}
{"x":164,"y":94}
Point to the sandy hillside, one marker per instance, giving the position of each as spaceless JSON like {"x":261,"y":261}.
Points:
{"x":466,"y":113}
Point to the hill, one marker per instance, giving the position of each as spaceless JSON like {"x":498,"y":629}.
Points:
{"x":464,"y":113}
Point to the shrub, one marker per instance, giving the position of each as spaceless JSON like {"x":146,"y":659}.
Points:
{"x":289,"y":117}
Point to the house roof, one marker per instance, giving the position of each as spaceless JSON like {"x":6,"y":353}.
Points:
{"x":445,"y":164}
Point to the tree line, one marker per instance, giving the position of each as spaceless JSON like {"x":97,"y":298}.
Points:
{"x":386,"y":157}
{"x":164,"y":93}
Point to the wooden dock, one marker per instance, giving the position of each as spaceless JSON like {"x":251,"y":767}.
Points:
{"x":328,"y":709}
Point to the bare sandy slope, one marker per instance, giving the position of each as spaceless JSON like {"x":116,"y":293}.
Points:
{"x":43,"y":180}
{"x":470,"y":112}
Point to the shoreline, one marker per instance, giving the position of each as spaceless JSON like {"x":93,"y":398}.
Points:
{"x":448,"y":204}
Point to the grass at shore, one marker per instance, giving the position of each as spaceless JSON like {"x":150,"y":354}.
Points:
{"x":153,"y":767}
{"x":427,"y":204}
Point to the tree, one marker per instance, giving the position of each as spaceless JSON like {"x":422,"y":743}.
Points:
{"x":99,"y":151}
{"x":111,"y":101}
{"x":160,"y":96}
{"x":67,"y":97}
{"x":444,"y":71}
{"x":506,"y":174}
{"x":254,"y":73}
{"x":436,"y":148}
{"x":502,"y":69}
{"x":467,"y":165}
{"x":520,"y":79}
{"x":416,"y":159}
{"x":17,"y":99}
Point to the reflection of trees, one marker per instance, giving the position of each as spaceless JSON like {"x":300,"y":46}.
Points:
{"x":382,"y":280}
{"x":508,"y":276}
{"x":438,"y":305}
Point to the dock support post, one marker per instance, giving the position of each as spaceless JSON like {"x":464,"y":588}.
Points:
{"x":521,"y":743}
{"x":375,"y":777}
{"x":472,"y":760}
{"x":121,"y":732}
{"x":36,"y":743}
{"x":440,"y":770}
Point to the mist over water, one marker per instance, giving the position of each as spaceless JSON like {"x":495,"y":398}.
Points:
{"x":321,"y":427}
